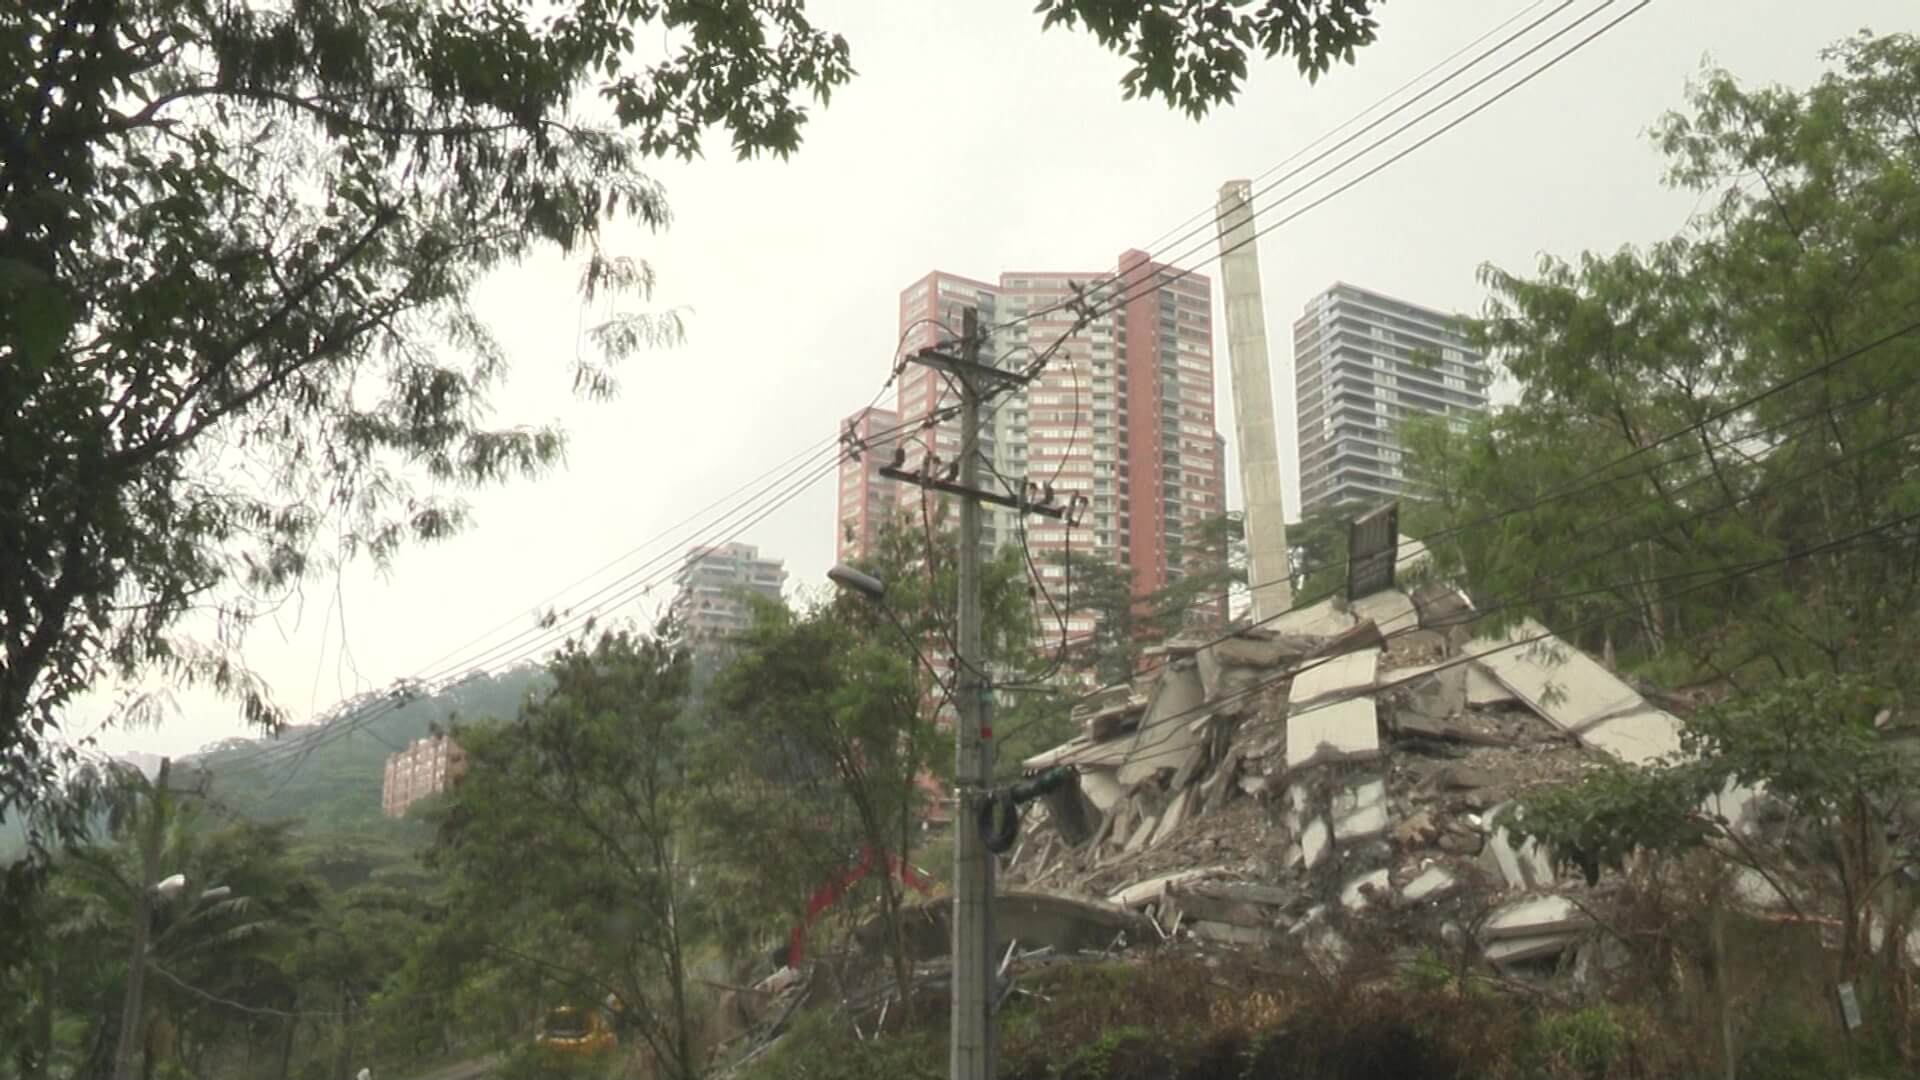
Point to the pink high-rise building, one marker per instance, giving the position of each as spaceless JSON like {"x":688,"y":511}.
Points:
{"x":1122,"y":413}
{"x":867,"y":500}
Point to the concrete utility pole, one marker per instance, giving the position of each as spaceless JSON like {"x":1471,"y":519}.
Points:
{"x":971,"y":1056}
{"x":142,"y":925}
{"x":1268,"y":565}
{"x":972,"y":1048}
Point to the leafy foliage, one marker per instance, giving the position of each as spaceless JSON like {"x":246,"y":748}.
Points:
{"x":564,"y":845}
{"x":1193,"y":53}
{"x":1763,"y":335}
{"x":237,"y":247}
{"x":826,"y":728}
{"x":1767,"y":551}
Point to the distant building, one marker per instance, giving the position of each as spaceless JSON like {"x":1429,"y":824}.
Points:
{"x":1363,"y":362}
{"x":711,"y":604}
{"x":428,"y":767}
{"x":866,"y":499}
{"x":1121,"y":415}
{"x":713,"y":586}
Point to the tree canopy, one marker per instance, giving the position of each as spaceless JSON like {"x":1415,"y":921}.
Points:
{"x":1710,"y":474}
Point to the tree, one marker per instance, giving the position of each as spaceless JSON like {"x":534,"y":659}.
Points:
{"x":826,"y":726}
{"x":1193,"y":53}
{"x":1213,"y":563}
{"x":1710,"y":473}
{"x":1762,"y":336}
{"x":564,"y":845}
{"x":236,"y":244}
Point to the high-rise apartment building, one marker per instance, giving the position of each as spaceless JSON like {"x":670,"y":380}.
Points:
{"x":867,"y":499}
{"x":1122,"y":413}
{"x":1363,"y":363}
{"x":426,"y":767}
{"x":713,"y":584}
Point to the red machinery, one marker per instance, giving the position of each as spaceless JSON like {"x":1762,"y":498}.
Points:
{"x":830,"y":893}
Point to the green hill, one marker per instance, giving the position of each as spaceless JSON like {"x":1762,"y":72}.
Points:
{"x":327,"y":777}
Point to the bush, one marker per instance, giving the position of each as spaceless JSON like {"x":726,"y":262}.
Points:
{"x":1585,"y":1043}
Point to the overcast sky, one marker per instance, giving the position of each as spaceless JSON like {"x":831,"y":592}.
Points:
{"x":972,"y":142}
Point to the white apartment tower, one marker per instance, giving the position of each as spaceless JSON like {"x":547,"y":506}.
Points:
{"x":1363,"y":363}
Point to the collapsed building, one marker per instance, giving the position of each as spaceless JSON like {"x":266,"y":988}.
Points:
{"x":1340,"y":768}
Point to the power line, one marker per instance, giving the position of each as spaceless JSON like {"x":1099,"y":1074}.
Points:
{"x":1206,"y":216}
{"x":1159,"y":275}
{"x":1152,"y":267}
{"x":351,"y":720}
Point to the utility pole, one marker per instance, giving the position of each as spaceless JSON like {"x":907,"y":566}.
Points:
{"x":972,"y":1048}
{"x":971,"y":1055}
{"x":142,"y":924}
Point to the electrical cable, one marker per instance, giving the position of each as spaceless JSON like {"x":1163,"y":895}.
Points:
{"x":1210,"y":214}
{"x":1164,"y":276}
{"x":348,"y":719}
{"x":1153,"y":264}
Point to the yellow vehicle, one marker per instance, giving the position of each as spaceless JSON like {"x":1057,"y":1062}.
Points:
{"x":574,"y":1031}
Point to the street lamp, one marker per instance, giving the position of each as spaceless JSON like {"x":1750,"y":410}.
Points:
{"x":865,"y":584}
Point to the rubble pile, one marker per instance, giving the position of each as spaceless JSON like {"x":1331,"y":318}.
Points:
{"x":1336,"y":772}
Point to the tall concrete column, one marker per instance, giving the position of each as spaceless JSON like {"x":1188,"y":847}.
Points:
{"x":1253,"y":422}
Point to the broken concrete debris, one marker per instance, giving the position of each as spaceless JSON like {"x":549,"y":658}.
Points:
{"x":1294,"y":784}
{"x":1337,"y":777}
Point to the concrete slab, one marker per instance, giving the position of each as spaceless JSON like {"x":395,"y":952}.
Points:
{"x":1111,"y":721}
{"x":1332,"y":675}
{"x":1535,"y":917}
{"x":1341,"y":731}
{"x":1323,"y":619}
{"x":1353,"y":895}
{"x":1228,"y":934}
{"x":1563,"y":684}
{"x":1506,"y":859}
{"x":1360,"y":811}
{"x":1101,"y":787}
{"x":1213,"y":789}
{"x":1142,"y":835}
{"x":1141,"y":893}
{"x":1441,"y":605}
{"x":1512,"y":950}
{"x":1436,"y":693}
{"x":1166,"y":732}
{"x":1083,"y":751}
{"x":1483,"y":689}
{"x":1641,"y":737}
{"x":1314,"y":840}
{"x":1213,"y":908}
{"x":1434,"y":881}
{"x":1172,"y":816}
{"x":1325,"y":948}
{"x":1390,"y":609}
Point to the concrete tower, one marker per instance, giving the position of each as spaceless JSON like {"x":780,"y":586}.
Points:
{"x":1253,"y":425}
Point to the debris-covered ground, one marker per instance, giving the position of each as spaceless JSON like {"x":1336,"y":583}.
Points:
{"x":1333,"y":774}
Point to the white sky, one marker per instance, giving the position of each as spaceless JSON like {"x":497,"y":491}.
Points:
{"x":972,"y":142}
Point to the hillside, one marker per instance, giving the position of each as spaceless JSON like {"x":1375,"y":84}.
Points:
{"x":327,"y":776}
